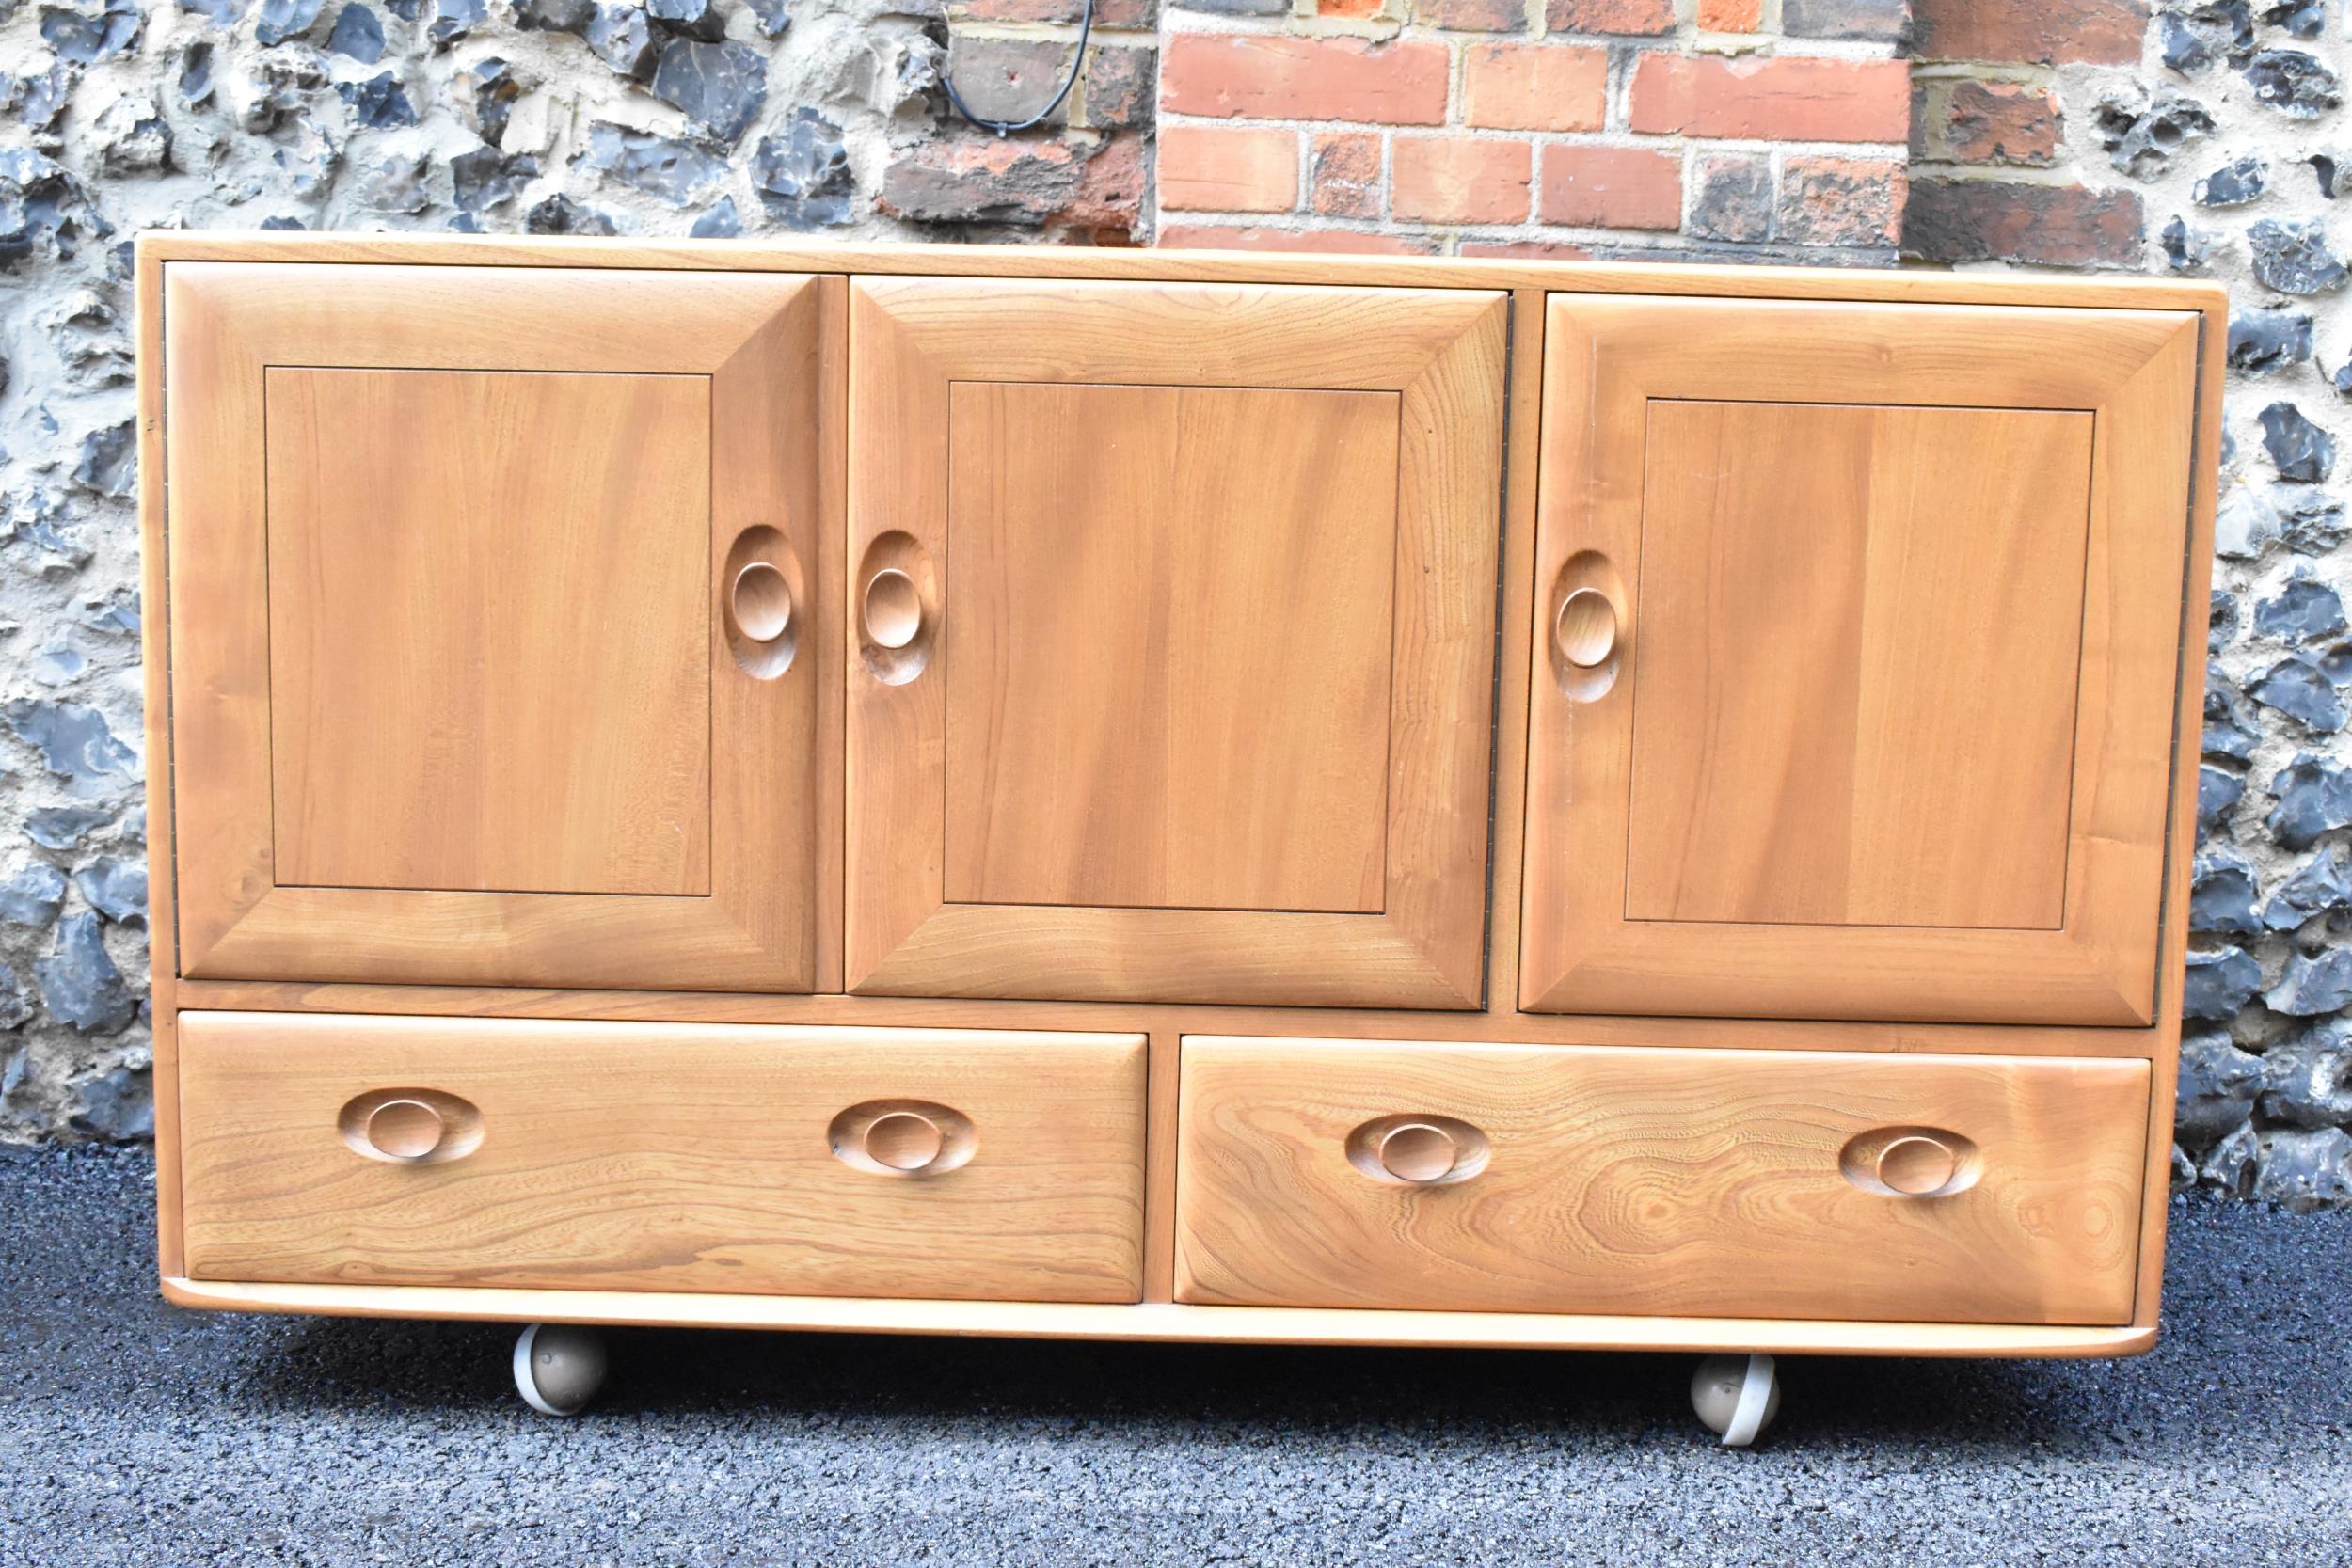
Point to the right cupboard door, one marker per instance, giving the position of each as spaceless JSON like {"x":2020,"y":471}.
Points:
{"x":1856,"y":640}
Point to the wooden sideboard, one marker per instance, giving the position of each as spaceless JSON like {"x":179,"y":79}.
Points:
{"x":1083,"y":793}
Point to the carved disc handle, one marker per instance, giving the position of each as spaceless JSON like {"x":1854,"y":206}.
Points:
{"x":1417,"y":1151}
{"x":406,"y":1130}
{"x":1917,"y":1164}
{"x":905,"y":1140}
{"x":762,"y":602}
{"x":1587,"y":628}
{"x":893,"y":608}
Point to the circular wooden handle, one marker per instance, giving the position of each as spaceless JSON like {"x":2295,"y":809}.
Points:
{"x":1917,"y":1165}
{"x":1586,"y":629}
{"x":406,"y":1129}
{"x":762,"y":601}
{"x":903,"y":1140}
{"x":1415,"y":1152}
{"x":893,"y":608}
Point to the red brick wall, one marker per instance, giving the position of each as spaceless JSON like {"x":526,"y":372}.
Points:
{"x":1534,"y":127}
{"x":1990,"y":179}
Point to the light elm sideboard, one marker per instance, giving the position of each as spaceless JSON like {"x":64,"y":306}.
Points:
{"x":1152,"y":795}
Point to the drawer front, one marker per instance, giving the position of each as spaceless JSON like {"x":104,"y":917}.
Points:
{"x":1664,"y":1182}
{"x":978,"y":1165}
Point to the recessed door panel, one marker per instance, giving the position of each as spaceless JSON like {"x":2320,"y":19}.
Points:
{"x":1188,"y":598}
{"x":495,"y":624}
{"x":1834,"y":645}
{"x":489,"y":670}
{"x":1856,"y":633}
{"x":1170,"y":670}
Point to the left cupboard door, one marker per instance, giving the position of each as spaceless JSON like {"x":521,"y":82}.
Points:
{"x":499,"y":645}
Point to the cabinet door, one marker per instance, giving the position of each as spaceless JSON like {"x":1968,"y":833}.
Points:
{"x":1856,"y":638}
{"x":494,"y":649}
{"x":1169,"y":639}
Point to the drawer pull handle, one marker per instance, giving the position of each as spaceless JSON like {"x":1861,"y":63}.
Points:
{"x":406,"y":1129}
{"x":1911,"y":1161}
{"x":1586,"y":631}
{"x":902,"y":1137}
{"x":894,"y":610}
{"x":1916,"y":1166}
{"x":410,"y":1127}
{"x":762,"y":602}
{"x":905,"y":1140}
{"x":1421,"y":1150}
{"x":1417,"y":1151}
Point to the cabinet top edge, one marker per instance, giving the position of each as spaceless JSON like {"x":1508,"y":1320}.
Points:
{"x":158,"y":246}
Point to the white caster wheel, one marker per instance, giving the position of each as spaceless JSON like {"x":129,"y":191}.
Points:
{"x":558,"y":1367}
{"x":1737,"y":1396}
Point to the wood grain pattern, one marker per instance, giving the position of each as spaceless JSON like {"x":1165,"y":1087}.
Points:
{"x":1441,"y":352}
{"x":1857,"y":703}
{"x":1080,"y":262}
{"x":1688,"y":1183}
{"x":2189,"y":730}
{"x":486,"y":667}
{"x":1607,"y":362}
{"x":535,"y":261}
{"x":827,"y":449}
{"x":1723,"y":1034}
{"x":1513,"y":676}
{"x":679,"y":1158}
{"x":1159,"y":1168}
{"x":1167,"y":668}
{"x":757,"y":340}
{"x":1259,"y":1326}
{"x":163,"y":938}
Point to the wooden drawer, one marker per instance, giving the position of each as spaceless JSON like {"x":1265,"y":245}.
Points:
{"x":663,"y":1157}
{"x":1664,"y":1182}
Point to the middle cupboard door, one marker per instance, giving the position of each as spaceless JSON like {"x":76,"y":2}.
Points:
{"x":1171,"y":638}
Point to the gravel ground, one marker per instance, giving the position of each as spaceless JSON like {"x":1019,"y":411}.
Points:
{"x":134,"y":1432}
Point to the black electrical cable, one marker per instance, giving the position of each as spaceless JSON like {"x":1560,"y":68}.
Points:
{"x":1002,"y":127}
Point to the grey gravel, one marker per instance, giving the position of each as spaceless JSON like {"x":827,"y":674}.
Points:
{"x":135,"y":1433}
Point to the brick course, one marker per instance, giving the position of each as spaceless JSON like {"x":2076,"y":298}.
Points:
{"x":1215,"y":170}
{"x":1275,"y":77}
{"x":1473,"y":16}
{"x":1985,"y":107}
{"x":1460,"y":180}
{"x":1346,"y":178}
{"x":1970,"y":121}
{"x":1776,"y":100}
{"x":1535,"y":86}
{"x":2039,"y":32}
{"x":1611,"y":187}
{"x":1636,"y":18}
{"x":1539,"y":127}
{"x":1986,"y":221}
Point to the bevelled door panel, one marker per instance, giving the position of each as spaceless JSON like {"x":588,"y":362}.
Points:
{"x":495,"y":624}
{"x":1167,"y":658}
{"x":414,"y":782}
{"x":1856,"y":637}
{"x":1243,"y":766}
